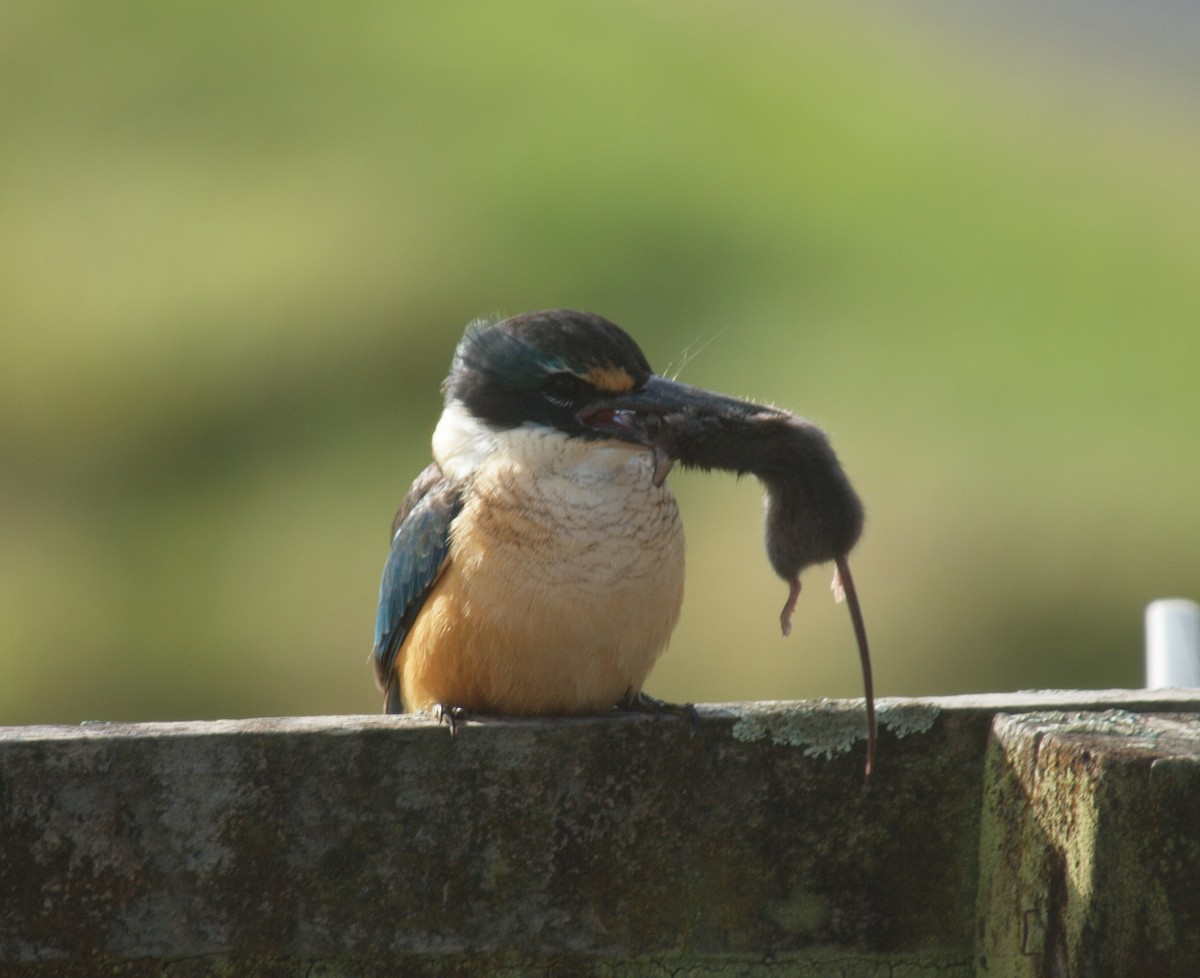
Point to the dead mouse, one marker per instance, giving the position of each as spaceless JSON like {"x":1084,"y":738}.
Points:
{"x":813,"y":513}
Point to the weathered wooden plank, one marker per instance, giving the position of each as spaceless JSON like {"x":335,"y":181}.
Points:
{"x":611,"y":845}
{"x":1090,"y":846}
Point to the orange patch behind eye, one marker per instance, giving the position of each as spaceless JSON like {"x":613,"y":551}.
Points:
{"x":615,"y":380}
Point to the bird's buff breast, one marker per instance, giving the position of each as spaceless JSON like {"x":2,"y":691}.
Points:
{"x":564,"y":583}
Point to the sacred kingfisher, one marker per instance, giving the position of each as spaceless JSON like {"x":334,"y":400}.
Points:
{"x":537,"y":565}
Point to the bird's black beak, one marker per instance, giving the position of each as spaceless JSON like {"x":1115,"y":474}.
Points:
{"x":665,"y":416}
{"x":673,"y":419}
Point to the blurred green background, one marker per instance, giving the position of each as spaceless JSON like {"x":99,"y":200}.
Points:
{"x":238,"y":243}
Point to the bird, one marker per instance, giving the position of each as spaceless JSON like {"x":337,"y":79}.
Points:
{"x":536,"y":565}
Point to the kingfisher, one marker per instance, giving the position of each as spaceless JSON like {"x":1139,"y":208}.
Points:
{"x":537,"y":564}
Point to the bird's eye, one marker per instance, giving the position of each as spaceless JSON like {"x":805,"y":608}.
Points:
{"x":565,"y":389}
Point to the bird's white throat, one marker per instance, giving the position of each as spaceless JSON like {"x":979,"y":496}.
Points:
{"x":462,"y":444}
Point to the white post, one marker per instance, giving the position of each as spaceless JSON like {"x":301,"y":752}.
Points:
{"x":1172,"y":644}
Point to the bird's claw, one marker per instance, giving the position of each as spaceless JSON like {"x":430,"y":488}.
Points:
{"x":452,"y":716}
{"x":643,"y":703}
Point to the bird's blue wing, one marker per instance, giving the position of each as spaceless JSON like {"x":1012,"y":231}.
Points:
{"x":420,"y":545}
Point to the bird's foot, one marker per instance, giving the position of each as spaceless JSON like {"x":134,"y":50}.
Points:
{"x":452,"y":716}
{"x":643,"y":703}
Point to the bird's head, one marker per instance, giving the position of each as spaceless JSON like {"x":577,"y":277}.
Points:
{"x":575,"y":373}
{"x":557,"y":369}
